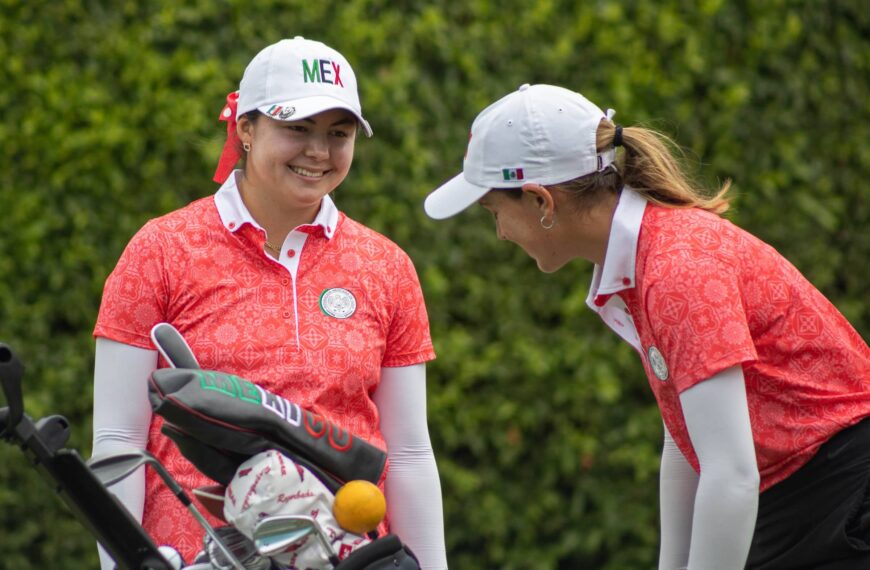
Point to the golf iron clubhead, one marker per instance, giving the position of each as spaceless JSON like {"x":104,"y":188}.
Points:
{"x":240,"y":545}
{"x":276,"y":534}
{"x":114,"y":467}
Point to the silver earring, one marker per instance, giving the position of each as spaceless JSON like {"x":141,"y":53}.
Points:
{"x":247,"y":147}
{"x":547,"y":226}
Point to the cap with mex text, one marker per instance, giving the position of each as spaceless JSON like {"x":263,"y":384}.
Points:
{"x":297,"y":78}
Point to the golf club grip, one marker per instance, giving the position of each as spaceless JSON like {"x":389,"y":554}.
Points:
{"x":172,"y":346}
{"x":11,"y":371}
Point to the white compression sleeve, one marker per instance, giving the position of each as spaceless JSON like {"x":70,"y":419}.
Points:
{"x":122,"y":415}
{"x":726,"y":503}
{"x":678,"y":483}
{"x":413,"y":487}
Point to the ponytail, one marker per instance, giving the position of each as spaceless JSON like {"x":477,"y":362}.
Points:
{"x":648,"y":166}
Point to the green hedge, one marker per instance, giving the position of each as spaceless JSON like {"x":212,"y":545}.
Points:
{"x":546,"y":434}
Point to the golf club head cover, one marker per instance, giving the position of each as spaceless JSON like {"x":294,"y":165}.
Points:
{"x":238,"y":417}
{"x":385,"y":553}
{"x":220,"y":465}
{"x":217,"y":464}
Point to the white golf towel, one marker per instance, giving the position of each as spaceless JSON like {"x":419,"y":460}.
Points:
{"x":270,"y":483}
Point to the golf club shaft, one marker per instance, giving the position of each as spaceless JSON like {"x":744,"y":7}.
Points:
{"x":214,"y":536}
{"x":330,"y":551}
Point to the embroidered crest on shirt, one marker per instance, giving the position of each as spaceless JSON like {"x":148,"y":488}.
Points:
{"x":657,"y":363}
{"x":339,"y":303}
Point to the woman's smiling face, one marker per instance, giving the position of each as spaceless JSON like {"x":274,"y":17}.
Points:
{"x":299,"y":162}
{"x":518,"y":219}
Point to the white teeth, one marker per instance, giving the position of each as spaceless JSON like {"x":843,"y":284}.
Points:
{"x":304,"y":172}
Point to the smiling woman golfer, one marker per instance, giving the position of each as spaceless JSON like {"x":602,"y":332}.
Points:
{"x":762,"y":384}
{"x":268,"y":280}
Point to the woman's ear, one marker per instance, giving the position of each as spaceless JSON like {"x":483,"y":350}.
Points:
{"x":245,"y":129}
{"x":542,"y":197}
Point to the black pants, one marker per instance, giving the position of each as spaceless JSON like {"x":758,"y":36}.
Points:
{"x":819,"y":518}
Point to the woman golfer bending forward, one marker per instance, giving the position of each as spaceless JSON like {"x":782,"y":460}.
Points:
{"x":763,"y":386}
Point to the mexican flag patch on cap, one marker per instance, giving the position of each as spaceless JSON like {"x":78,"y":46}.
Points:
{"x":512,"y":173}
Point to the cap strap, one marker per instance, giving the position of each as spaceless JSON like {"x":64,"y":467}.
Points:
{"x":607,"y":157}
{"x":230,"y":154}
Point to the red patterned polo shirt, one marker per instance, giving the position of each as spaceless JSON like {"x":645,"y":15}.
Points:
{"x":695,"y":295}
{"x":315,"y":326}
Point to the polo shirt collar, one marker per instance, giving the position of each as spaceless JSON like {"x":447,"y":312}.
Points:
{"x":618,"y":271}
{"x":234,"y":214}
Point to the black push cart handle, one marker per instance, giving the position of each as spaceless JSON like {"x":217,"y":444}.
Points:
{"x":89,"y":500}
{"x":11,"y":372}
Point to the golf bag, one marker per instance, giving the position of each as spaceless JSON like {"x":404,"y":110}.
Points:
{"x":100,"y":512}
{"x":219,"y":420}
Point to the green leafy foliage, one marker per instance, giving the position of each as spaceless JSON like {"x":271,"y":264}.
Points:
{"x":545,"y":431}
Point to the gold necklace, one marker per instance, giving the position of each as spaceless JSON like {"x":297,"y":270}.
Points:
{"x":271,"y":247}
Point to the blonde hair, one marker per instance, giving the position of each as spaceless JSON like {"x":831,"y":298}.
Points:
{"x":648,"y":166}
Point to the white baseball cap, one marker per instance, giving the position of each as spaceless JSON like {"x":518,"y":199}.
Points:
{"x":295,"y":79}
{"x":539,"y":133}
